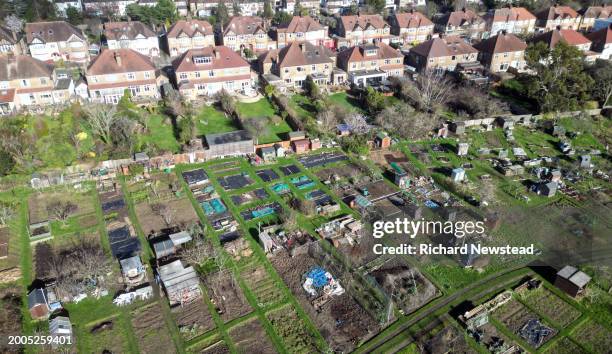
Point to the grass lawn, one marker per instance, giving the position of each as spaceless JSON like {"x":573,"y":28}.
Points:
{"x":302,"y":106}
{"x":261,"y":108}
{"x":276,"y":132}
{"x":160,"y":135}
{"x":210,"y":120}
{"x":346,"y":101}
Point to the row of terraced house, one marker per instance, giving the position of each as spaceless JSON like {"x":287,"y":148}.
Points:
{"x":248,"y":52}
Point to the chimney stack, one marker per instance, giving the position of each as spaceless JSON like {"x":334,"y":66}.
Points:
{"x":217,"y":53}
{"x":118,"y":58}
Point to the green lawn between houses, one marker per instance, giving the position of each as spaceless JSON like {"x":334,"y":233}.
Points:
{"x":211,"y":121}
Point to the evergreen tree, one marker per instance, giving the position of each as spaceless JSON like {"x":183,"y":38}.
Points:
{"x":236,"y":9}
{"x":221,"y":13}
{"x":268,"y":13}
{"x":560,"y":82}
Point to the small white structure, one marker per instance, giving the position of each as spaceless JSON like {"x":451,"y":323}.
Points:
{"x":138,"y":294}
{"x":60,"y":327}
{"x":458,"y":174}
{"x":462,"y":149}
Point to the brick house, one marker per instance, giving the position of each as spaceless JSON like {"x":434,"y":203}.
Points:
{"x":56,"y":40}
{"x":442,"y":54}
{"x":189,"y":34}
{"x":206,"y":71}
{"x":113,"y":72}
{"x":369,"y":64}
{"x":412,"y":27}
{"x":501,"y":52}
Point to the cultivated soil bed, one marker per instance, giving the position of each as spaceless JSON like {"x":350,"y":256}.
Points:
{"x":10,"y":316}
{"x":226,"y":294}
{"x":250,"y":337}
{"x":180,"y":211}
{"x":193,"y":319}
{"x":151,"y":331}
{"x":342,"y":321}
{"x":408,"y":288}
{"x":515,"y":315}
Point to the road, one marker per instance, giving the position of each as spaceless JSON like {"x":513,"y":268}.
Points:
{"x":381,"y":340}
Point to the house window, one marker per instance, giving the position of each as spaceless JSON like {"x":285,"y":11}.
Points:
{"x":453,"y":58}
{"x":211,"y":73}
{"x":183,"y":76}
{"x":313,"y":68}
{"x":202,"y":60}
{"x":43,"y":81}
{"x":353,"y":66}
{"x":130,"y":76}
{"x":197,"y":74}
{"x":387,"y":61}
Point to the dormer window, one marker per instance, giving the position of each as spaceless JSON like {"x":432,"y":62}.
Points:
{"x":300,"y":34}
{"x":370,"y":52}
{"x":202,"y":60}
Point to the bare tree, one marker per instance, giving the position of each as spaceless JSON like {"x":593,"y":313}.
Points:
{"x":13,"y":23}
{"x":306,"y":207}
{"x":61,"y":209}
{"x":101,"y":119}
{"x":77,"y":266}
{"x":197,"y":252}
{"x":6,"y":213}
{"x":328,"y":120}
{"x":357,"y":122}
{"x":166,"y":213}
{"x":431,"y":88}
{"x":405,"y":121}
{"x":19,"y":145}
{"x":227,"y":102}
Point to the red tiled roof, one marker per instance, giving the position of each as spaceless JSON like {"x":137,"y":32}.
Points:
{"x":459,"y":18}
{"x":569,"y":36}
{"x":52,"y":31}
{"x":190,"y":28}
{"x":299,"y":53}
{"x":362,"y":21}
{"x":501,"y":43}
{"x":244,"y":25}
{"x":300,"y":24}
{"x":413,"y":19}
{"x":443,"y":47}
{"x":555,"y":12}
{"x":227,"y":59}
{"x":129,"y":29}
{"x":509,"y":14}
{"x":14,"y":67}
{"x":130,"y":61}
